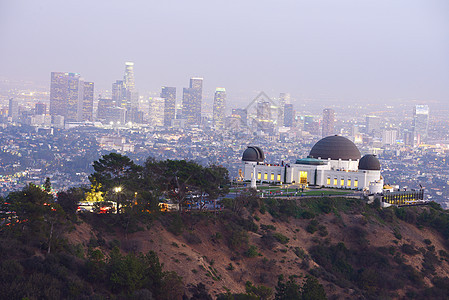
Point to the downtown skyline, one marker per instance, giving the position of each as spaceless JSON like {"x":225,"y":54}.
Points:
{"x":350,"y":51}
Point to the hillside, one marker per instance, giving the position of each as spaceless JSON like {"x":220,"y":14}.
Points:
{"x":355,"y":251}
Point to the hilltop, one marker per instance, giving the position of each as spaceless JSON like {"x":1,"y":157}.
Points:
{"x":355,"y":250}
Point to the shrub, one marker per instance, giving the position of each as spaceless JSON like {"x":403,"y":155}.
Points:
{"x":408,"y":249}
{"x":281,"y":238}
{"x":192,"y":238}
{"x":251,"y":252}
{"x":312,"y":227}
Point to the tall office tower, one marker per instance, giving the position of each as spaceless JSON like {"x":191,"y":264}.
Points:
{"x":88,"y":101}
{"x":58,"y":93}
{"x":103,"y":110}
{"x":75,"y":90}
{"x":119,"y":95}
{"x":263,"y":116}
{"x":131,"y":93}
{"x":13,"y":110}
{"x":311,"y":126}
{"x":373,"y":125}
{"x":284,"y":98}
{"x":219,"y":108}
{"x":157,"y":111}
{"x":40,"y":109}
{"x":389,"y":137}
{"x":289,"y":115}
{"x":420,"y":124}
{"x":328,"y":127}
{"x":241,"y":114}
{"x":169,"y":94}
{"x":191,"y":102}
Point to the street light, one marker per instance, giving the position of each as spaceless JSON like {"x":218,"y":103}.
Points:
{"x":117,"y":190}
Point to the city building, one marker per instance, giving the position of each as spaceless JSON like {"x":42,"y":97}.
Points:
{"x":58,"y":93}
{"x":219,"y":108}
{"x":420,"y":124}
{"x":131,"y":93}
{"x":334,"y":162}
{"x":13,"y":110}
{"x":71,"y":97}
{"x":289,"y":115}
{"x":119,"y":95}
{"x":284,"y":98}
{"x":169,"y":94}
{"x":157,"y":105}
{"x":328,"y":125}
{"x":40,"y":109}
{"x":88,"y":101}
{"x":373,"y":126}
{"x":191,"y":102}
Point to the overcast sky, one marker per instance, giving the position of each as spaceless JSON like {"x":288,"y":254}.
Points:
{"x":339,"y":50}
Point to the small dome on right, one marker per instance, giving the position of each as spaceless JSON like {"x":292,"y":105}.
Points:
{"x":369,"y":162}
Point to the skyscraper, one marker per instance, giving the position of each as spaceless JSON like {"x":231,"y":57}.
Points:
{"x":284,"y":98}
{"x":420,"y":123}
{"x":68,"y":98}
{"x":75,"y":90}
{"x":191,"y":102}
{"x":157,"y":111}
{"x":131,"y":94}
{"x":40,"y":109}
{"x":169,"y":95}
{"x":119,"y":94}
{"x":88,"y":101}
{"x":288,"y":115}
{"x":58,"y":93}
{"x":219,"y":108}
{"x":373,"y":126}
{"x":328,"y":127}
{"x":13,"y":110}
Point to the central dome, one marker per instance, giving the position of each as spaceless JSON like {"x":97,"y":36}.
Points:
{"x":335,"y":147}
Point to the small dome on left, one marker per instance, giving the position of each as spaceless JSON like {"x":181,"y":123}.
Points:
{"x":254,"y":154}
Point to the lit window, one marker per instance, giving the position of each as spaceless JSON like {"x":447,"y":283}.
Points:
{"x":342,"y":182}
{"x":279,"y":177}
{"x":335,"y":181}
{"x":259,"y":175}
{"x":272,"y":177}
{"x":328,"y":181}
{"x":303,"y":177}
{"x":356,"y":183}
{"x":349,"y":181}
{"x":265,"y":176}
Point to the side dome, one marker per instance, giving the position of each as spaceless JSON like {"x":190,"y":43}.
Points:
{"x":335,"y":147}
{"x":254,"y":154}
{"x":369,"y":162}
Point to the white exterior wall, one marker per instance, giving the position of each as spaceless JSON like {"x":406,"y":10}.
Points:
{"x":324,"y":172}
{"x":350,"y":165}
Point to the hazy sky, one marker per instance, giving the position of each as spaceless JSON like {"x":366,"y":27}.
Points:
{"x":340,"y":50}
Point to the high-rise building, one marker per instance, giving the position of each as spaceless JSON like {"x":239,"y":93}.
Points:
{"x":191,"y":102}
{"x":241,"y":114}
{"x":389,"y":137}
{"x":103,"y":109}
{"x":373,"y":126}
{"x":13,"y":110}
{"x":289,"y":115}
{"x":420,"y":123}
{"x":68,"y":98}
{"x":219,"y":108}
{"x":157,"y":111}
{"x":88,"y":101}
{"x":131,"y":94}
{"x":75,"y":91}
{"x":58,"y":93}
{"x":119,"y":95}
{"x":169,"y":95}
{"x":40,"y":109}
{"x":328,"y":127}
{"x":284,"y":98}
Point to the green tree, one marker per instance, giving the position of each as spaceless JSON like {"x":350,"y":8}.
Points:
{"x":289,"y":290}
{"x":47,"y":185}
{"x":312,"y":289}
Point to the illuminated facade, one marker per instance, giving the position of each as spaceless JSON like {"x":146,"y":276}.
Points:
{"x":420,"y":123}
{"x":88,"y":101}
{"x":333,"y":162}
{"x":328,"y":126}
{"x":219,"y":108}
{"x":191,"y":102}
{"x":169,"y":94}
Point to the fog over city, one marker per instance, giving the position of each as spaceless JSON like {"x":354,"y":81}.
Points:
{"x":324,"y":51}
